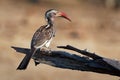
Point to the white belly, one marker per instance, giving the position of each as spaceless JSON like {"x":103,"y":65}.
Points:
{"x":48,"y":43}
{"x":41,"y":45}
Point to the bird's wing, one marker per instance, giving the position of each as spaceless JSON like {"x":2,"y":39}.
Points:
{"x":41,"y":36}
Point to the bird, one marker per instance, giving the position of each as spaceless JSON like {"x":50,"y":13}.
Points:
{"x":43,"y":36}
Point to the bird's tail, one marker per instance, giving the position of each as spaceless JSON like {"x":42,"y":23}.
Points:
{"x":24,"y":63}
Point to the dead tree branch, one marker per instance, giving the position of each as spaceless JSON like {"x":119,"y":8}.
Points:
{"x":61,"y":59}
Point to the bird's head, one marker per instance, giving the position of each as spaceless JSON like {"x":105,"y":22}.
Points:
{"x":51,"y":14}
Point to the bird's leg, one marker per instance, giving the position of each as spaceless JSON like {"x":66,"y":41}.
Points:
{"x":42,"y":49}
{"x":45,"y":50}
{"x":49,"y":50}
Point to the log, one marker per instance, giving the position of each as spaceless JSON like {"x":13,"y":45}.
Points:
{"x":88,"y":61}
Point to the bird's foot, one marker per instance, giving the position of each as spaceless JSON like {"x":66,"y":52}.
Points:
{"x":46,"y":50}
{"x":50,"y":51}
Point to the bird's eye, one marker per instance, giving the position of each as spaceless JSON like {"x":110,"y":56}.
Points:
{"x":54,"y":13}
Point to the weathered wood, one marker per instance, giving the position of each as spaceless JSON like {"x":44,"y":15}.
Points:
{"x":61,"y":59}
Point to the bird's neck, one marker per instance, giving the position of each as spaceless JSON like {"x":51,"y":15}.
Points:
{"x":50,"y":22}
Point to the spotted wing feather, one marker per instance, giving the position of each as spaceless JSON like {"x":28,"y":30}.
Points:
{"x":42,"y":35}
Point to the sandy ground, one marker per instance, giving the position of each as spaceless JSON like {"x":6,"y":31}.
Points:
{"x":92,"y":27}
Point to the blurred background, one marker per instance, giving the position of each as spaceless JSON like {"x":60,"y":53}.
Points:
{"x":95,"y":25}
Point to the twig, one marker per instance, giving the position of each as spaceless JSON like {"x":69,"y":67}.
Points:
{"x":84,"y":52}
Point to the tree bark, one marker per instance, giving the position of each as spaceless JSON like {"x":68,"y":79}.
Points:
{"x":87,"y":62}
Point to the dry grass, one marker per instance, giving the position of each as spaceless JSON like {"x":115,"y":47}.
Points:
{"x":92,"y":27}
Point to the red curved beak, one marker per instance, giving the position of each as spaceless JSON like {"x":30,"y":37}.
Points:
{"x":62,"y":14}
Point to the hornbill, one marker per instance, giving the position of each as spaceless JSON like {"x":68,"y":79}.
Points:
{"x":43,"y":36}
